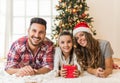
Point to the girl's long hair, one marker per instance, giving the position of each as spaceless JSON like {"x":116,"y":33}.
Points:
{"x":89,"y":56}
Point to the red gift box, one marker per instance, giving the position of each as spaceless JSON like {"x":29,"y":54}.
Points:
{"x":70,"y":69}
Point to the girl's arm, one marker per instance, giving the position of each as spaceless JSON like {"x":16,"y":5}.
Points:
{"x":78,"y":71}
{"x":57,"y":60}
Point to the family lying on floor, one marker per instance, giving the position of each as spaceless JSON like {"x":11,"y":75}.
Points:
{"x":77,"y":52}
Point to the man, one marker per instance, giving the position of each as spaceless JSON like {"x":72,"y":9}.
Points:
{"x":32,"y":54}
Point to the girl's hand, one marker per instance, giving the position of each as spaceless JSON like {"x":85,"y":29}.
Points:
{"x":63,"y":72}
{"x":76,"y":73}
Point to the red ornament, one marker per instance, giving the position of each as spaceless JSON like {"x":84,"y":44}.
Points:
{"x":83,"y":15}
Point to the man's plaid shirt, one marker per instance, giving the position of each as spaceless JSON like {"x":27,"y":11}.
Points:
{"x":20,"y":55}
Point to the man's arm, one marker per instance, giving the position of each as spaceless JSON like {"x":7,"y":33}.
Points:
{"x":12,"y":70}
{"x":24,"y":71}
{"x":13,"y":58}
{"x":42,"y":70}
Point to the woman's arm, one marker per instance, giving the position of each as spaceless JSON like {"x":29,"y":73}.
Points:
{"x":108,"y":66}
{"x":92,"y":71}
{"x":101,"y":72}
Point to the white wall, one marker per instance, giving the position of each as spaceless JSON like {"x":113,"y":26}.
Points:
{"x":106,"y":14}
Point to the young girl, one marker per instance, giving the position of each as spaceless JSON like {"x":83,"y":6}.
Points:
{"x":64,"y":54}
{"x":94,"y":55}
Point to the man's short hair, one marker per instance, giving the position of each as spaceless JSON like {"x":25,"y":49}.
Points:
{"x":39,"y":21}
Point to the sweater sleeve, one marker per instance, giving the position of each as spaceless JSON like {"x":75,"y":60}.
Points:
{"x":57,"y":59}
{"x":76,"y":63}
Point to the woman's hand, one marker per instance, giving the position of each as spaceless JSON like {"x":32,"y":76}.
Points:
{"x":101,"y":72}
{"x":108,"y":68}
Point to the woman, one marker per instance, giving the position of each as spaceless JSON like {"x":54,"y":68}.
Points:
{"x":94,"y":55}
{"x":64,"y":54}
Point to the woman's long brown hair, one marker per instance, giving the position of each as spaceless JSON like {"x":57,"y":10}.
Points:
{"x":89,"y":56}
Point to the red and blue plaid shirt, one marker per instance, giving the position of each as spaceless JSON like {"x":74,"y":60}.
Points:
{"x":20,"y":55}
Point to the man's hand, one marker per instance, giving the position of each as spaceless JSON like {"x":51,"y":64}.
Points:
{"x":26,"y":71}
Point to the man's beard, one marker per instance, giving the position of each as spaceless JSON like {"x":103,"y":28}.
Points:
{"x":33,"y":43}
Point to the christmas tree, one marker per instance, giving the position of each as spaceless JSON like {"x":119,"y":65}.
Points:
{"x":71,"y":12}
